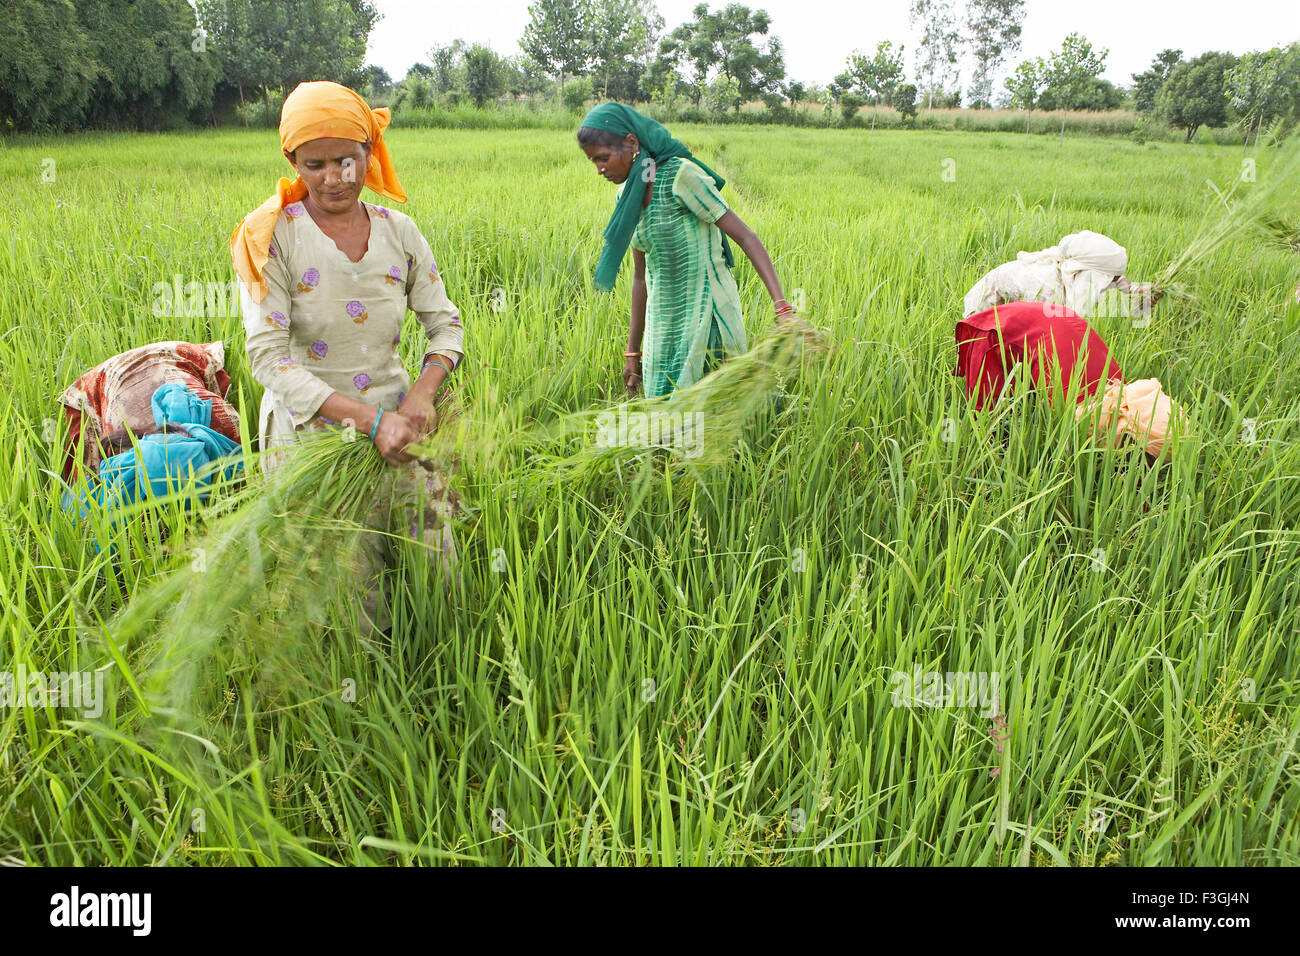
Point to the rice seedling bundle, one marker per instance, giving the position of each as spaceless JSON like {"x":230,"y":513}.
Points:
{"x":1245,"y":205}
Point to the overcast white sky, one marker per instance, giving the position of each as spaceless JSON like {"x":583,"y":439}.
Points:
{"x":819,"y":34}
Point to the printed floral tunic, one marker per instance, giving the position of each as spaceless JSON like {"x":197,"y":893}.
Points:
{"x":328,"y":324}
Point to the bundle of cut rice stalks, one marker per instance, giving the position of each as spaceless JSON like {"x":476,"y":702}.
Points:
{"x":1283,"y":234}
{"x":278,"y":552}
{"x":689,"y":431}
{"x":1245,"y":206}
{"x":1280,"y":233}
{"x":261,"y":574}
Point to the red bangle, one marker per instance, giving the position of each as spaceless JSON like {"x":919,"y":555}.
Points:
{"x":788,"y":308}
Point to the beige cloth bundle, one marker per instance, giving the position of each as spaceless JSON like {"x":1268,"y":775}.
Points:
{"x":1140,"y":410}
{"x":1075,"y":273}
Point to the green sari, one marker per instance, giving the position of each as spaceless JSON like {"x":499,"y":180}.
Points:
{"x":657,"y":146}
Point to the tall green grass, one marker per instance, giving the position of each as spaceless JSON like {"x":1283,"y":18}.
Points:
{"x":703,"y":675}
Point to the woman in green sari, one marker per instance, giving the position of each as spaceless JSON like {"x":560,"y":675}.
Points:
{"x":686,"y":315}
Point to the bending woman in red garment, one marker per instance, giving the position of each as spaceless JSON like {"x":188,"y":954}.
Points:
{"x":1057,"y":347}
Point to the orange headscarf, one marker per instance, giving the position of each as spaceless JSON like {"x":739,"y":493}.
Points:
{"x":315,"y":110}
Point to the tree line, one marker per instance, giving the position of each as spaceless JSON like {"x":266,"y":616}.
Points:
{"x":161,"y":64}
{"x":149,"y":64}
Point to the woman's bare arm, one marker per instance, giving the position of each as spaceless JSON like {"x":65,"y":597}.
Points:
{"x":394,"y":433}
{"x":748,"y":241}
{"x":636,"y":328}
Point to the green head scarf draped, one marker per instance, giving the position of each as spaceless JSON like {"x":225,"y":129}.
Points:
{"x":657,"y":145}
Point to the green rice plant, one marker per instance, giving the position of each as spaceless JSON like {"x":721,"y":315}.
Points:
{"x":705,"y":675}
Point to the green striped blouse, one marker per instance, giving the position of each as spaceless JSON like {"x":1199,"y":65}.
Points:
{"x":693,"y":316}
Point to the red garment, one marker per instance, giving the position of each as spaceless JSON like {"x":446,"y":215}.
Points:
{"x":117,"y":395}
{"x":1036,"y":334}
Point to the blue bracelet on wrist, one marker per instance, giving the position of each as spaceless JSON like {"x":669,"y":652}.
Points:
{"x":375,"y":427}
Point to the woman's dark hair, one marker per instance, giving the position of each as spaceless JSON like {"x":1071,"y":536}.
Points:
{"x":589,"y":136}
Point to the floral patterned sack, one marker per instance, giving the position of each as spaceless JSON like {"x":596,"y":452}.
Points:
{"x":116,"y":396}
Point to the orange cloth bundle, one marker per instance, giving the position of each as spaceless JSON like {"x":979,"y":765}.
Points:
{"x":1140,"y":410}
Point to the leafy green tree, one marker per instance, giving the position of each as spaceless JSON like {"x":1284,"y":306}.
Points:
{"x":1094,"y":94}
{"x":939,"y":46}
{"x":155,"y":67}
{"x":576,"y":94}
{"x":484,"y":76}
{"x":840,"y":84}
{"x":1264,"y":86}
{"x":879,"y":75}
{"x":724,"y":42}
{"x":137,"y":64}
{"x":557,"y":37}
{"x":523,"y":77}
{"x":418,"y":92}
{"x":993,"y":33}
{"x":905,"y":102}
{"x":689,"y":46}
{"x":850,"y":103}
{"x":48,"y":66}
{"x":723,"y":95}
{"x":1146,"y":86}
{"x":376,"y":82}
{"x":669,"y":95}
{"x":661,"y":77}
{"x":1072,"y":73}
{"x":796,"y":93}
{"x":1193,"y":96}
{"x":447,"y":72}
{"x":277,"y":44}
{"x":1025,"y":85}
{"x":621,"y":37}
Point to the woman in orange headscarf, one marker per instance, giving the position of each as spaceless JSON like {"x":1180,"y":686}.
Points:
{"x":326,"y":281}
